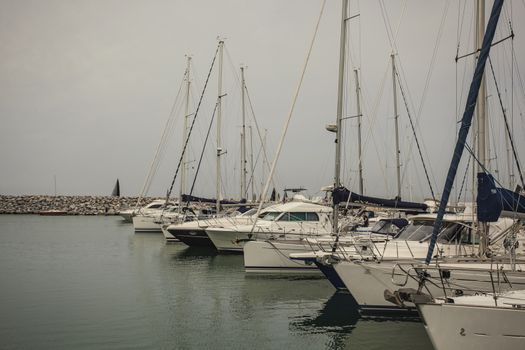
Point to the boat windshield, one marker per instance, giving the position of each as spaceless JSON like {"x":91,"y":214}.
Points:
{"x":250,"y":212}
{"x":270,"y":216}
{"x":385,"y":227}
{"x":416,"y":231}
{"x":421,"y":230}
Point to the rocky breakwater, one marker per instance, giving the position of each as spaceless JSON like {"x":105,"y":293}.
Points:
{"x":72,"y":205}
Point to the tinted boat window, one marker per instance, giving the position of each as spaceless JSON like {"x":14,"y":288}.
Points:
{"x":457,"y":233}
{"x":422,"y":230}
{"x":416,"y":231}
{"x":297,"y":216}
{"x":312,"y":217}
{"x":388,"y":229}
{"x":284,"y":217}
{"x":270,"y":216}
{"x":250,"y":212}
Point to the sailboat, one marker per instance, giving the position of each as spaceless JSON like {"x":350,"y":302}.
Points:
{"x":480,"y":319}
{"x":276,"y":254}
{"x":116,"y":190}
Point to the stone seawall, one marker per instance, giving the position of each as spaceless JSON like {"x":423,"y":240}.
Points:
{"x":72,"y":205}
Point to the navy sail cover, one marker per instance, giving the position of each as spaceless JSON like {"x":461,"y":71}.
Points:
{"x":492,"y":200}
{"x":343,"y":195}
{"x":190,"y":198}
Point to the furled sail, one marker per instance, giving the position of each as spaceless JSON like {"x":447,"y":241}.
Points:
{"x":190,"y":198}
{"x":343,"y":195}
{"x":494,"y":202}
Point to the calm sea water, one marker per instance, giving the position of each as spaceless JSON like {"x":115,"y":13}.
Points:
{"x":91,"y":283}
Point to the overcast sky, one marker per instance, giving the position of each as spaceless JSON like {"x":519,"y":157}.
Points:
{"x":86,"y":88}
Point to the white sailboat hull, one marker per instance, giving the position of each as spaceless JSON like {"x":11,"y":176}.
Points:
{"x":269,"y":257}
{"x":146,"y":224}
{"x":367,"y":281}
{"x":463,"y":327}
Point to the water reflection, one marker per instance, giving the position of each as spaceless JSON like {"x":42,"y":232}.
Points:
{"x":336,"y":318}
{"x":340,"y":320}
{"x":182,"y":251}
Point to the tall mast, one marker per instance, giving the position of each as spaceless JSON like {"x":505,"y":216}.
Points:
{"x":219,"y":119}
{"x":359,"y":152}
{"x":264,"y":162}
{"x":340,"y":92}
{"x":243,"y":138}
{"x":396,"y":121}
{"x":481,"y":111}
{"x":510,"y":172}
{"x":185,"y":131}
{"x":251,"y":164}
{"x":482,"y":121}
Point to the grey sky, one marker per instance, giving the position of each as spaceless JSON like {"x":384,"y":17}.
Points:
{"x":86,"y":88}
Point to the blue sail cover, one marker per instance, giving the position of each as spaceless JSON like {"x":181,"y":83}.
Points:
{"x":492,"y":200}
{"x":466,"y":121}
{"x":190,"y":198}
{"x":343,"y":195}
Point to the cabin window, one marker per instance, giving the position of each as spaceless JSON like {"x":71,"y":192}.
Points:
{"x":155,"y":206}
{"x":450,"y":233}
{"x":388,"y":228}
{"x":284,"y":217}
{"x":312,"y":217}
{"x":417,"y":231}
{"x":270,"y":216}
{"x":297,"y":216}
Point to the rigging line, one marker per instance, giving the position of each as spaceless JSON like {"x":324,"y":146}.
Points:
{"x":426,"y":86}
{"x":464,"y":78}
{"x":372,"y":118}
{"x":386,"y":20}
{"x":461,"y":21}
{"x":511,"y":139}
{"x":429,"y":74}
{"x":160,"y":151}
{"x":511,"y":36}
{"x":416,"y":139}
{"x":153,"y":167}
{"x":191,"y":126}
{"x":265,"y":162}
{"x":464,"y":179}
{"x":234,"y":71}
{"x":519,"y":74}
{"x":202,"y":152}
{"x":380,"y":93}
{"x":287,"y":123}
{"x":252,"y":173}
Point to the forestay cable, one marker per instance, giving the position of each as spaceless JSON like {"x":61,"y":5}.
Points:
{"x":192,"y":125}
{"x":283,"y":135}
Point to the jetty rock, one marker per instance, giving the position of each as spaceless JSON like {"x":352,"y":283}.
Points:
{"x":72,"y":205}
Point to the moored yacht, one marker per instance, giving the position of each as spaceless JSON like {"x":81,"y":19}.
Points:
{"x":489,"y":315}
{"x":292,"y":220}
{"x":152,"y":222}
{"x":193,"y":233}
{"x":273,"y":256}
{"x":369,"y":271}
{"x":483,"y":321}
{"x":150,"y":208}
